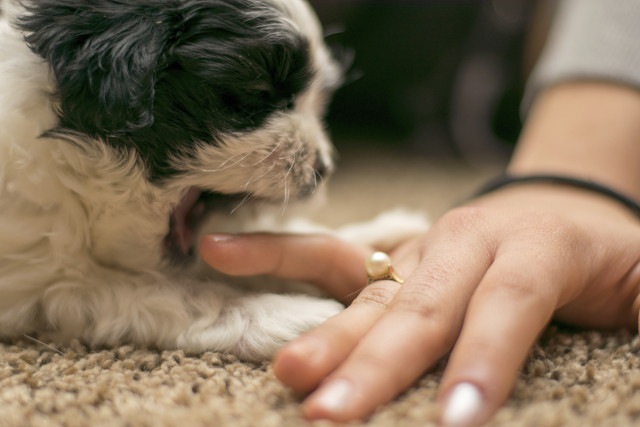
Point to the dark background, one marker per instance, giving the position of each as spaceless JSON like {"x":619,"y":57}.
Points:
{"x":440,"y":78}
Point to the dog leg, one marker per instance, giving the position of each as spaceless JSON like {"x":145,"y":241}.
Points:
{"x":156,"y":312}
{"x":254,"y":327}
{"x":384,"y":232}
{"x":387,"y":230}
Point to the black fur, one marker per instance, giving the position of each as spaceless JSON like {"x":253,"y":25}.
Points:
{"x":161,"y":75}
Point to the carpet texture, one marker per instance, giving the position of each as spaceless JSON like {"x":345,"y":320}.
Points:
{"x":572,"y":378}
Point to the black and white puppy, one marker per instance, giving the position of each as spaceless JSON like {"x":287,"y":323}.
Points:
{"x":126,"y":128}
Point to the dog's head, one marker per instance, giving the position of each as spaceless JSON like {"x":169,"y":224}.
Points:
{"x":212,"y":96}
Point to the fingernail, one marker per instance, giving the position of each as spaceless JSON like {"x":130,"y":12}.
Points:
{"x":463,"y":406}
{"x":334,"y":396}
{"x":221,"y":238}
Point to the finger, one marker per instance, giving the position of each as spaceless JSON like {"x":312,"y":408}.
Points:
{"x":325,"y":261}
{"x":419,"y":327}
{"x":304,"y":363}
{"x":508,"y":311}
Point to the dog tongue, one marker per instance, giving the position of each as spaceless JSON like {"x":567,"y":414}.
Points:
{"x":186,"y":213}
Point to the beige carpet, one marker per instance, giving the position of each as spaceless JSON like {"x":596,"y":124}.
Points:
{"x":571,"y":379}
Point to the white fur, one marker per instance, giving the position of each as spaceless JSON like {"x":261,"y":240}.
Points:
{"x":81,"y":229}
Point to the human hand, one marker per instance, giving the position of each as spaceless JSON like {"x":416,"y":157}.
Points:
{"x":482,"y":283}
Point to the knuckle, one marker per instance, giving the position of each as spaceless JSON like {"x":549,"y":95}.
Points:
{"x":336,"y":335}
{"x":424,"y":301}
{"x":277,"y":265}
{"x":426,"y":305}
{"x":554,"y":228}
{"x":512,"y":289}
{"x":464,"y":219}
{"x":374,"y":361}
{"x":436,"y":274}
{"x":483,"y":350}
{"x":516,"y":287}
{"x":377,"y":294}
{"x":378,"y":365}
{"x":471,"y":226}
{"x":551,"y":241}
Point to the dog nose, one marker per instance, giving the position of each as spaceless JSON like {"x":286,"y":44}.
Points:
{"x":321,"y":167}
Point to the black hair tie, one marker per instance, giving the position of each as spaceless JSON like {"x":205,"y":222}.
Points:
{"x":506,"y":180}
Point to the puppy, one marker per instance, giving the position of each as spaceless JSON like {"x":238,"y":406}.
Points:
{"x":128,"y":129}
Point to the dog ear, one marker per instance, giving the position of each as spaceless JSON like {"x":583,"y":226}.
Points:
{"x":104,"y":55}
{"x":111,"y":57}
{"x":247,"y":53}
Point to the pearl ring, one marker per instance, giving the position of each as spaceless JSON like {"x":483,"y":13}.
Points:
{"x":378,"y":266}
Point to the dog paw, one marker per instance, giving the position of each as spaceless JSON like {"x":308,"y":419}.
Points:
{"x":302,"y":315}
{"x":387,"y":230}
{"x":254,"y":327}
{"x":282,"y":318}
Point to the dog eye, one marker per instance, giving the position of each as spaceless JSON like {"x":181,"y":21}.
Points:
{"x":290,"y":103}
{"x":286,"y":103}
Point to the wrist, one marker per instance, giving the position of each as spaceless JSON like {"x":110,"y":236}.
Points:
{"x":589,"y":186}
{"x":564,"y":200}
{"x":588,"y":131}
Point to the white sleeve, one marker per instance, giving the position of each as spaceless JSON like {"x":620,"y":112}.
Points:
{"x":590,"y":40}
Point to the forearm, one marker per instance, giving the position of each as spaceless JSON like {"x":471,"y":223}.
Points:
{"x":584,"y":129}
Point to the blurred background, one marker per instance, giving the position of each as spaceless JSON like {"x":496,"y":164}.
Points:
{"x":441,"y":79}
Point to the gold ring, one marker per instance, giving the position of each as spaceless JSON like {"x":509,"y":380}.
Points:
{"x":378,"y":267}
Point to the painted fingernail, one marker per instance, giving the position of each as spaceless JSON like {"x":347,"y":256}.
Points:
{"x":334,"y":397}
{"x":221,"y":238}
{"x":463,"y":406}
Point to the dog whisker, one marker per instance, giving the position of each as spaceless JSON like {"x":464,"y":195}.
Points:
{"x":254,"y":178}
{"x":224,"y":165}
{"x":356,"y":292}
{"x":246,"y":198}
{"x":317,"y":180}
{"x":286,"y":197}
{"x":37,"y":341}
{"x":286,"y":177}
{"x":268,"y":154}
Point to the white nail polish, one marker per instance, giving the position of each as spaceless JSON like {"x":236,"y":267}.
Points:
{"x":463,"y":406}
{"x":334,"y":396}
